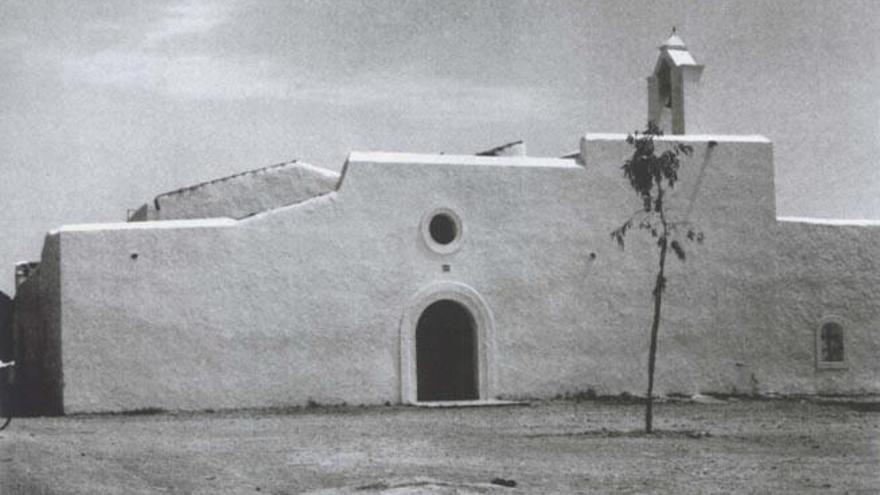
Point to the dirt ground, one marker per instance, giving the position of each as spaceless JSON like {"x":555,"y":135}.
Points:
{"x":545,"y":447}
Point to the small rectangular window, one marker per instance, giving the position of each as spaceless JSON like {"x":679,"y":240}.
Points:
{"x":830,"y":346}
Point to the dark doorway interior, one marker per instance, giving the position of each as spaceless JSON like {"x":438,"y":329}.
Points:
{"x":446,"y":357}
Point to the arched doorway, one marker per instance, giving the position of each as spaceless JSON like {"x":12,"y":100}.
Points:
{"x":446,"y":353}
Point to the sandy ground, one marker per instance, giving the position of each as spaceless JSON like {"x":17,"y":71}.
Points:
{"x":550,"y":447}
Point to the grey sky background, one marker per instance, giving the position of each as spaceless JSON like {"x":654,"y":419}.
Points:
{"x":103,"y":105}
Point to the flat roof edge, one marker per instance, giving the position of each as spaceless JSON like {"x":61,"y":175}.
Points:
{"x":154,"y":224}
{"x":856,"y":222}
{"x":686,"y":138}
{"x":438,"y":159}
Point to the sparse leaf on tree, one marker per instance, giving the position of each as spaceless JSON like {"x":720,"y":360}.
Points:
{"x":676,"y":247}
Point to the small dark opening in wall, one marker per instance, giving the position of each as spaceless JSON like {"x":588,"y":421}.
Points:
{"x":134,"y":256}
{"x":831,"y":350}
{"x":664,"y":78}
{"x":443,"y":229}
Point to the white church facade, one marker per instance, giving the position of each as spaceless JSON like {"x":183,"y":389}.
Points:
{"x":412,"y":278}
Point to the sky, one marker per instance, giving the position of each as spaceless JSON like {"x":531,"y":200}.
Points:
{"x":105,"y":104}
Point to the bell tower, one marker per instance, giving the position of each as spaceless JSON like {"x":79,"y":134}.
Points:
{"x":674,"y":89}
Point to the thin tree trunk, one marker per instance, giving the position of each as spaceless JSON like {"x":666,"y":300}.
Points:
{"x":659,"y":286}
{"x":652,"y":353}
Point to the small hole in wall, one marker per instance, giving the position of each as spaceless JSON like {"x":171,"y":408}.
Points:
{"x":443,"y":229}
{"x":592,"y":256}
{"x":134,"y":256}
{"x":446,"y":268}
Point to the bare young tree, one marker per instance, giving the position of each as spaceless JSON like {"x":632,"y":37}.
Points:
{"x":651,"y":174}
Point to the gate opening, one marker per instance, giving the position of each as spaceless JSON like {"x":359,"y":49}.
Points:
{"x":446,"y":353}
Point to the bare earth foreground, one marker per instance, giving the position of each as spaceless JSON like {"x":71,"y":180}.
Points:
{"x":562,"y":447}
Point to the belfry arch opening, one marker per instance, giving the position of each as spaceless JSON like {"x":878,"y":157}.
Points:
{"x":664,"y":83}
{"x":446,"y":353}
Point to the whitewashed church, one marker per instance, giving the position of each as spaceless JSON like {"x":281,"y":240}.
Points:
{"x":412,"y":278}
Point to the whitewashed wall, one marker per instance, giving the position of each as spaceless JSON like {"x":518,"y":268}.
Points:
{"x":307,"y":302}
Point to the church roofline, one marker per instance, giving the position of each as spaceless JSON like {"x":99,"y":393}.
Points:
{"x":462,"y":160}
{"x":685,"y":138}
{"x":155,"y":224}
{"x":225,"y":178}
{"x":838,"y":222}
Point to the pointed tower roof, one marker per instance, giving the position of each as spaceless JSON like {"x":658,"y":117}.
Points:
{"x":675,"y":51}
{"x":674,"y":42}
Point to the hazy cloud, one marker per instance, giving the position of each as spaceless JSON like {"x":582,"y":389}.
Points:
{"x":192,"y":17}
{"x":143,"y":65}
{"x":422,"y":97}
{"x":414,"y":96}
{"x":13,"y":40}
{"x":183,"y":76}
{"x":144,"y":62}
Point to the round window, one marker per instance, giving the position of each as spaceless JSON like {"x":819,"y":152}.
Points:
{"x":442,"y":230}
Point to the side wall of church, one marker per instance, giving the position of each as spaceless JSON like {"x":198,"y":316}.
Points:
{"x":36,"y":379}
{"x":306,"y":302}
{"x":827,"y":272}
